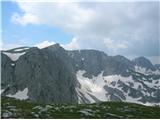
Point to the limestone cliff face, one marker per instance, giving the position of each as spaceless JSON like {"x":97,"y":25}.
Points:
{"x":50,"y":75}
{"x":47,"y":73}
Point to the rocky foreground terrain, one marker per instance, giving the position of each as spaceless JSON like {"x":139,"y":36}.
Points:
{"x":13,"y":108}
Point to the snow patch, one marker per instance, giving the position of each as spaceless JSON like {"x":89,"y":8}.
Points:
{"x":12,"y":64}
{"x":92,"y":86}
{"x":2,"y":90}
{"x":157,"y":72}
{"x":22,"y":95}
{"x":140,"y":69}
{"x":143,"y":70}
{"x":152,"y":104}
{"x":14,"y":56}
{"x":81,"y":91}
{"x":95,"y":86}
{"x":44,"y":44}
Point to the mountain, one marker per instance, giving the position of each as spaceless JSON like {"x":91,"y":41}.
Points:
{"x":44,"y":75}
{"x":157,"y":66}
{"x":55,"y":75}
{"x":145,"y":63}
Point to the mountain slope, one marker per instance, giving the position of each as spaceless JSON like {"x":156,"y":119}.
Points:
{"x":53,"y":74}
{"x":45,"y":74}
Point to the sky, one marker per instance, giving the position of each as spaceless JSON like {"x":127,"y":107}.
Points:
{"x":126,"y":28}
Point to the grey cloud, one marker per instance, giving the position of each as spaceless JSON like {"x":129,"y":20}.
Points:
{"x":131,"y":28}
{"x":135,"y":23}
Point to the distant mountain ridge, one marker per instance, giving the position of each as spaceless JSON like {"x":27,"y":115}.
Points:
{"x":53,"y":74}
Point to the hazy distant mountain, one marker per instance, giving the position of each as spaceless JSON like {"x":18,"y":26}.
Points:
{"x":53,"y":74}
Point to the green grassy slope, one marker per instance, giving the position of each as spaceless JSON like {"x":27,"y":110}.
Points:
{"x":12,"y":108}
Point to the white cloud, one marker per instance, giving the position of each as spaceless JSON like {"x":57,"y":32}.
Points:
{"x":112,"y":27}
{"x":73,"y":45}
{"x":69,"y":16}
{"x":114,"y":46}
{"x":44,"y":44}
{"x":25,"y":19}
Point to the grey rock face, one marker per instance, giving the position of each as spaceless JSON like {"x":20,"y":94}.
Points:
{"x":91,"y":61}
{"x":7,"y":71}
{"x":47,"y":73}
{"x":114,"y":92}
{"x":94,"y":62}
{"x":118,"y":65}
{"x":50,"y":75}
{"x":143,"y":62}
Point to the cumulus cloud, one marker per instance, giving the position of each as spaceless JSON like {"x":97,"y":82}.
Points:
{"x":128,"y":28}
{"x":25,"y":19}
{"x":69,"y":16}
{"x":73,"y":45}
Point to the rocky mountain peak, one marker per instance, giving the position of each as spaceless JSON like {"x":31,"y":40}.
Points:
{"x":55,"y":75}
{"x":55,"y":47}
{"x":143,"y":62}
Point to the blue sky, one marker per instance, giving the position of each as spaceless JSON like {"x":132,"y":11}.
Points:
{"x":28,"y":34}
{"x":126,"y":28}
